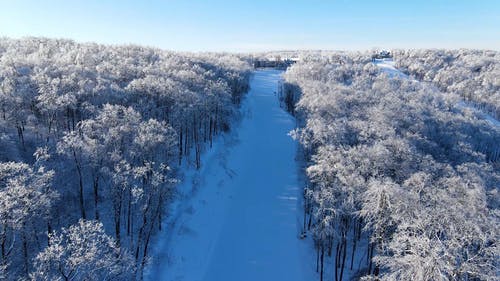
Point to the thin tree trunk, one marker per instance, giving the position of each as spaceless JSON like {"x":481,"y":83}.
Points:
{"x":211,"y":133}
{"x":129,"y":213}
{"x":337,"y":252}
{"x":368,"y":253}
{"x":142,"y":228}
{"x":80,"y":182}
{"x":322,"y":263}
{"x":21,"y":136}
{"x":305,"y":215}
{"x":359,"y":229}
{"x":160,"y":211}
{"x":3,"y":239}
{"x":73,"y":122}
{"x":25,"y":251}
{"x":371,"y":256}
{"x":354,"y":244}
{"x":330,"y":247}
{"x":148,"y":238}
{"x":317,"y":259}
{"x":186,"y":148}
{"x":117,"y":211}
{"x":344,"y":254}
{"x":96,"y":196}
{"x":310,"y":223}
{"x":180,"y":146}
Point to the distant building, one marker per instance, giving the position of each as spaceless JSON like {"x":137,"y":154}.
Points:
{"x":382,"y":55}
{"x":276,"y":62}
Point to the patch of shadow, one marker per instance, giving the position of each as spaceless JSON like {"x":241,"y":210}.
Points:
{"x":189,"y":210}
{"x":186,"y":231}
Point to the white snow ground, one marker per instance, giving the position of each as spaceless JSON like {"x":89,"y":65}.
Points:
{"x":387,"y":65}
{"x":239,"y":218}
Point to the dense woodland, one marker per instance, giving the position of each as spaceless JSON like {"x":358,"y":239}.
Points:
{"x":471,"y":74}
{"x":91,"y":137}
{"x":399,"y":171}
{"x":398,"y":165}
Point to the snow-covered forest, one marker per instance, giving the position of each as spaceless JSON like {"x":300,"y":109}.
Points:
{"x":403,"y":179}
{"x":104,"y":150}
{"x":91,"y":137}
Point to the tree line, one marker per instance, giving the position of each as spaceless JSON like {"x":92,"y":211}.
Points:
{"x":402,"y":184}
{"x":91,"y":139}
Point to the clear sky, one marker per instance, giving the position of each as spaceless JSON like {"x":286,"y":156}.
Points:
{"x":255,"y":25}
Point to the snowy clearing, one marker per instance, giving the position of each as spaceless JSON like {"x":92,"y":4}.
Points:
{"x":242,"y":222}
{"x":387,"y":65}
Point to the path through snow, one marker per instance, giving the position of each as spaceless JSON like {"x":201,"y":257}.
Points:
{"x":242,"y":222}
{"x":388,"y":66}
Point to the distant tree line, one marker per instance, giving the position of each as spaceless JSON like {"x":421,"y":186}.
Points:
{"x":402,"y":184}
{"x":91,"y":137}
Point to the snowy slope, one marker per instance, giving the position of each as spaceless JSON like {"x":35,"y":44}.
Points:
{"x":490,"y":119}
{"x":242,"y":223}
{"x":387,"y":65}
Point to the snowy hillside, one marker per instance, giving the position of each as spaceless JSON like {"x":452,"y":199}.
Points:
{"x":388,"y":66}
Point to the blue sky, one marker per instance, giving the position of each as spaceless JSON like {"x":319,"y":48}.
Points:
{"x":255,"y":25}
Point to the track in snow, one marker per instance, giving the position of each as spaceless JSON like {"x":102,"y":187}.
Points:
{"x":242,"y":222}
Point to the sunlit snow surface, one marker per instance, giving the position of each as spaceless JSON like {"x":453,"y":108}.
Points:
{"x":387,"y":65}
{"x":241,"y":223}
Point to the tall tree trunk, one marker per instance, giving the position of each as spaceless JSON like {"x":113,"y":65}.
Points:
{"x":344,"y":254}
{"x":371,"y":248}
{"x":317,"y":259}
{"x":73,"y":122}
{"x":25,"y":251}
{"x":322,"y":263}
{"x":180,"y":146}
{"x":216,"y":123}
{"x":304,"y":222}
{"x":186,"y":148}
{"x":117,"y":219}
{"x":142,"y":228}
{"x":197,"y":144}
{"x":160,"y":211}
{"x":3,"y":240}
{"x":148,"y":238}
{"x":337,"y":253}
{"x":80,"y":182}
{"x":96,"y":195}
{"x":330,"y":246}
{"x":21,"y":136}
{"x":211,"y":131}
{"x":354,"y":244}
{"x":129,"y":212}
